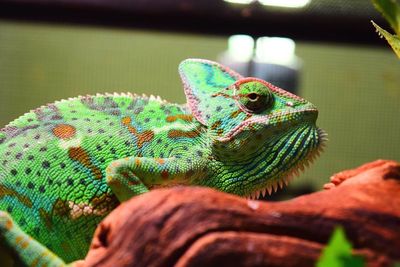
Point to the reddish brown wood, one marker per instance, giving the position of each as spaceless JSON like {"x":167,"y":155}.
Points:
{"x":186,"y":226}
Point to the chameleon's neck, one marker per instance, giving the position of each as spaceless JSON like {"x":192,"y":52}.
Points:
{"x":285,"y":153}
{"x":263,"y":161}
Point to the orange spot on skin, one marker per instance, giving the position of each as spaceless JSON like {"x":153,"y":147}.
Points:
{"x":137,"y":162}
{"x":24,"y":244}
{"x":184,"y":117}
{"x":9,"y":224}
{"x":222,"y":94}
{"x":80,"y":155}
{"x":215,"y":125}
{"x":235,"y":113}
{"x":179,"y":133}
{"x":114,"y":164}
{"x":143,"y":137}
{"x":64,"y":131}
{"x":43,"y":255}
{"x":35,"y":262}
{"x":160,"y":160}
{"x":20,"y":240}
{"x":146,"y":136}
{"x":126,"y":120}
{"x":164,"y":174}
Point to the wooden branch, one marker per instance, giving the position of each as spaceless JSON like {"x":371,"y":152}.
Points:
{"x":189,"y":226}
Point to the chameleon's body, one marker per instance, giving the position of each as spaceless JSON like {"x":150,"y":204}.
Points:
{"x":66,"y":165}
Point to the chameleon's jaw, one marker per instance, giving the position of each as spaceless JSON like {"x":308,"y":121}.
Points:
{"x":307,"y":113}
{"x":293,"y":172}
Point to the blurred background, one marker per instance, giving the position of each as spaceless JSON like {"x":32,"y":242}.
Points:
{"x":323,"y":50}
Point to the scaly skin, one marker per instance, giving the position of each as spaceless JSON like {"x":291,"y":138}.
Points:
{"x":66,"y":165}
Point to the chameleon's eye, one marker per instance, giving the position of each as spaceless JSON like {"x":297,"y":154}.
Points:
{"x":255,"y":96}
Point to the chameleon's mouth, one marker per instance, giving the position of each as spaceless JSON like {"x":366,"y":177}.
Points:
{"x":290,"y":174}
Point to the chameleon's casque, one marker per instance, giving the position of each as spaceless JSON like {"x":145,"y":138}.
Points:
{"x":66,"y":165}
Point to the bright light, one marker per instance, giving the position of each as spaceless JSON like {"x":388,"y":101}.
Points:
{"x":275,"y":50}
{"x":240,"y":1}
{"x":285,"y":3}
{"x":241,"y":47}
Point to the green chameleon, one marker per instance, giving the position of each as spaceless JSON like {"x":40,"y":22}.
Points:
{"x":66,"y":165}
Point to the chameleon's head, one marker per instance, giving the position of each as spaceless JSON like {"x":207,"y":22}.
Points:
{"x":261,"y":135}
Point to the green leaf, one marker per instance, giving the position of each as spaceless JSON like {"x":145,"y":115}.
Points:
{"x":390,"y":9}
{"x":338,"y":252}
{"x":393,"y":40}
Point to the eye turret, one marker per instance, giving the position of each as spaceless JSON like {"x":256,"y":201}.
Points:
{"x":255,"y":96}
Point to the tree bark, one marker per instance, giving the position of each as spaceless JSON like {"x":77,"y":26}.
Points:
{"x":193,"y":226}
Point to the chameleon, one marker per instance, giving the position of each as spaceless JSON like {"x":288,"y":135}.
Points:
{"x":66,"y":165}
